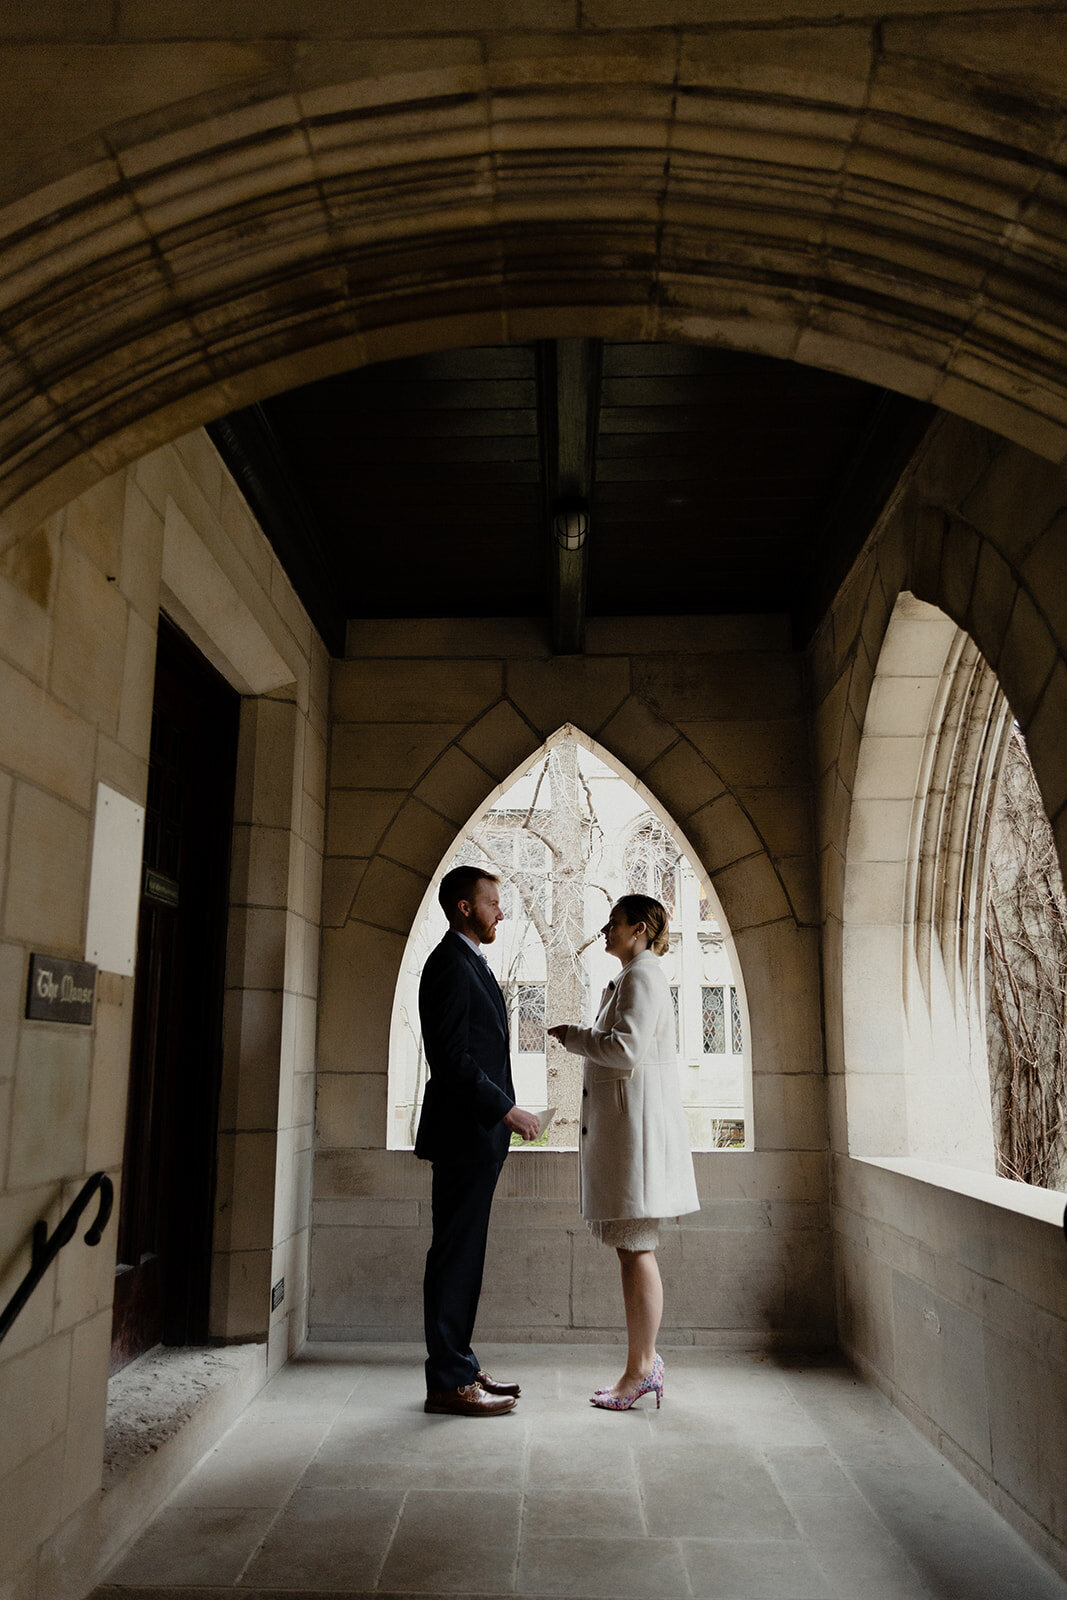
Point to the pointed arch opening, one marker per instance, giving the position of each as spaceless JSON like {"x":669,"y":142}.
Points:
{"x":567,"y":833}
{"x":955,"y":930}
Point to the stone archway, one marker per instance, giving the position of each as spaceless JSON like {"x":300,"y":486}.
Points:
{"x":810,"y":193}
{"x":934,"y":734}
{"x":587,"y":860}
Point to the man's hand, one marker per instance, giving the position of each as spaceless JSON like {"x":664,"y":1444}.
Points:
{"x":559,"y":1032}
{"x":524,"y":1122}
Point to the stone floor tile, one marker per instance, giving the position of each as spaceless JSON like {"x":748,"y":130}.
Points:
{"x":155,"y":1591}
{"x":856,"y":1419}
{"x":855,"y":1551}
{"x":710,"y":1492}
{"x":620,"y":1569}
{"x":569,"y":1378}
{"x":402,"y":1384}
{"x":589,"y":1513}
{"x":591,"y":1447}
{"x":708,"y":1375}
{"x":257,"y":1464}
{"x":327,"y":1539}
{"x":454,"y":1542}
{"x":320,"y":1378}
{"x":810,"y":1469}
{"x":747,"y":1422}
{"x":945,"y":1529}
{"x":758,"y":1569}
{"x":411,"y":1450}
{"x":109,"y":1591}
{"x":193,"y":1546}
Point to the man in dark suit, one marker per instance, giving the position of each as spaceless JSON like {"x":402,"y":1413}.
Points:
{"x":468,"y":1116}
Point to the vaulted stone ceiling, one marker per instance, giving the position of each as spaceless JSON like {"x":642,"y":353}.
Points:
{"x":204,"y":206}
{"x":712,"y":481}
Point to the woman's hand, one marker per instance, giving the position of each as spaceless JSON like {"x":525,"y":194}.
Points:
{"x":559,"y":1032}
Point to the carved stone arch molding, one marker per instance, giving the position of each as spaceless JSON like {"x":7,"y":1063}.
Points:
{"x":930,"y":757}
{"x":424,"y":741}
{"x":827,"y":195}
{"x":1002,"y":578}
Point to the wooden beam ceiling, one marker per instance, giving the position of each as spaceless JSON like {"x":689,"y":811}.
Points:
{"x":712,"y":481}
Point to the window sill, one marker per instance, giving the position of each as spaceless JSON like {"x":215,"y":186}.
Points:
{"x":1026,"y":1199}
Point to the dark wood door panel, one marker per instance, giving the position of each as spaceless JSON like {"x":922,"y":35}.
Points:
{"x":167,"y":1192}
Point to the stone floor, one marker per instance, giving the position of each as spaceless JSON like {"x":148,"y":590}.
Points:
{"x":760,"y":1479}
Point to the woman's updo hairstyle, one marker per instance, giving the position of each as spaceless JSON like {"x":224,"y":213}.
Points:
{"x":642,"y":908}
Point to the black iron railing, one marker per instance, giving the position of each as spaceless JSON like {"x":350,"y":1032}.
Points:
{"x":45,"y":1247}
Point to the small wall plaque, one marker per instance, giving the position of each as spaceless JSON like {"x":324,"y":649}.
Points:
{"x":60,"y":990}
{"x":160,"y":889}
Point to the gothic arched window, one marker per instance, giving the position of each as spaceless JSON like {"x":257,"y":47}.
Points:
{"x":651,"y":862}
{"x":566,"y":837}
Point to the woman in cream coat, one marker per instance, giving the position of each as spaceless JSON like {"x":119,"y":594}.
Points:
{"x":635,"y":1162}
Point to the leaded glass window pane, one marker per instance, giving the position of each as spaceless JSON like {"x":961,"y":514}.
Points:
{"x":530,"y":1005}
{"x":737,"y":1041}
{"x":714,"y":1021}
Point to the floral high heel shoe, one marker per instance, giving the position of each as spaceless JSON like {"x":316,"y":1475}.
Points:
{"x":606,"y":1388}
{"x":604,"y":1400}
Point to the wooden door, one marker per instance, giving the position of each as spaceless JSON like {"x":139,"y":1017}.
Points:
{"x":168,"y":1177}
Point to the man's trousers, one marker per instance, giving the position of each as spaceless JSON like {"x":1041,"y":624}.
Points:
{"x":462,"y":1201}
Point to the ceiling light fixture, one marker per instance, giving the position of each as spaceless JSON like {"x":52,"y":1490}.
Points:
{"x":571,"y":524}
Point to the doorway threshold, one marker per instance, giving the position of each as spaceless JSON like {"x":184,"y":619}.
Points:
{"x":165,"y":1412}
{"x":161,"y":1406}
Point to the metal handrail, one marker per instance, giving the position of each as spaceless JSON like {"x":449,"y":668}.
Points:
{"x":45,"y":1247}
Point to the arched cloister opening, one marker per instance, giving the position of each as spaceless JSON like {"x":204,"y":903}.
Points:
{"x":925,"y":816}
{"x":568,"y":833}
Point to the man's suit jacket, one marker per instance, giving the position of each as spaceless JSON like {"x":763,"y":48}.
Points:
{"x":465,"y":1035}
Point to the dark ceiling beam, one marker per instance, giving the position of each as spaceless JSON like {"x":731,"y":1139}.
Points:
{"x":568,"y":387}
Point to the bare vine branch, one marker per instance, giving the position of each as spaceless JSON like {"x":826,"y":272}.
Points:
{"x":1026,"y":978}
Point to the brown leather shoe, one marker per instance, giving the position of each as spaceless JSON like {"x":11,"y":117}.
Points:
{"x":469,"y":1400}
{"x":491,"y":1386}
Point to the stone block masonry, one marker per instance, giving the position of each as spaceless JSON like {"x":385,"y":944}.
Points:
{"x":423,"y":735}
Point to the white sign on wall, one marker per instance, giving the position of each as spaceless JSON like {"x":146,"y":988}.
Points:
{"x":115,"y":882}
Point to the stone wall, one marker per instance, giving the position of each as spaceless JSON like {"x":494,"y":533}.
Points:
{"x":79,"y":602}
{"x":427,"y":719}
{"x":955,"y":1304}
